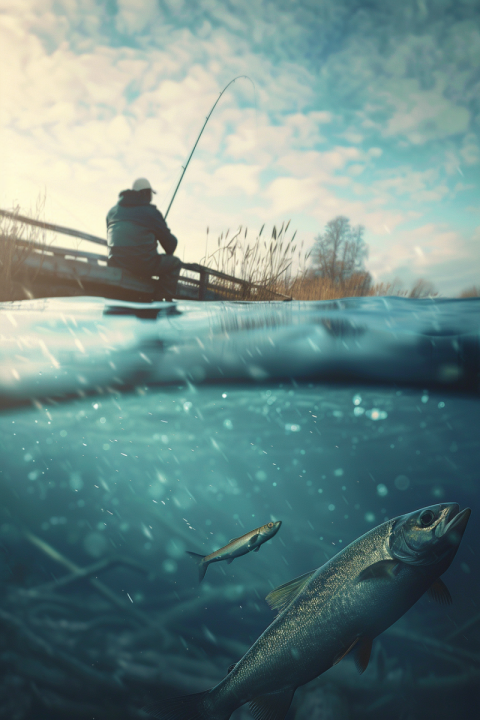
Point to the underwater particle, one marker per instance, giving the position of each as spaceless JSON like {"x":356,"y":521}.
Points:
{"x":292,"y":427}
{"x":338,"y":472}
{"x":465,"y":567}
{"x":146,"y":531}
{"x":106,"y":446}
{"x":357,"y":411}
{"x":260,"y":475}
{"x":376,"y":414}
{"x":224,"y":395}
{"x":402,"y":482}
{"x":337,"y":413}
{"x":208,"y":522}
{"x":382,"y":490}
{"x":228,"y":424}
{"x":425,"y":398}
{"x":103,"y":420}
{"x":369,"y":517}
{"x":75,"y":481}
{"x":33,"y":475}
{"x":170,"y":566}
{"x":441,"y":405}
{"x":438,"y":492}
{"x":187,"y":406}
{"x":95,"y":544}
{"x":320,"y":490}
{"x":274,"y":484}
{"x":357,"y":399}
{"x":63,"y":433}
{"x":331,"y":507}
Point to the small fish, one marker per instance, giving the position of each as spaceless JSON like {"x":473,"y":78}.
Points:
{"x":249,"y":542}
{"x":335,"y":610}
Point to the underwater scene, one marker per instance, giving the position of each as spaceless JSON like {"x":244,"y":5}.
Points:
{"x":140,"y":444}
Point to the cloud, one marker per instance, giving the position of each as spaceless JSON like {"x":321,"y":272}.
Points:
{"x":135,"y":16}
{"x":339,"y":121}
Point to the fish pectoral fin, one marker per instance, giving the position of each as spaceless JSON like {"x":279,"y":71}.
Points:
{"x":253,"y":539}
{"x":381,"y":569}
{"x":230,"y":560}
{"x":283,"y":595}
{"x":256,"y":549}
{"x":273,"y":706}
{"x":342,"y":653}
{"x":362,"y":649}
{"x":439,"y":592}
{"x":362,"y":653}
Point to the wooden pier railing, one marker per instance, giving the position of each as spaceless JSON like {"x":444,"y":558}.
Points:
{"x":47,"y":270}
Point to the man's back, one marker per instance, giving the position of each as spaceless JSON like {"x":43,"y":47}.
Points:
{"x":134,"y":226}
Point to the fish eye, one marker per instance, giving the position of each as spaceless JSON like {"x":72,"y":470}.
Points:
{"x":270,"y":525}
{"x":427,"y":518}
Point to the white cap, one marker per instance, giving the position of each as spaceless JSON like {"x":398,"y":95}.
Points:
{"x":142,"y":184}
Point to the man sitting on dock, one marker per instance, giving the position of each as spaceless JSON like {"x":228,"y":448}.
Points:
{"x":134,"y":226}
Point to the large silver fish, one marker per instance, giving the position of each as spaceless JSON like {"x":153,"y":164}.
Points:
{"x":250,"y":542}
{"x":330,"y":612}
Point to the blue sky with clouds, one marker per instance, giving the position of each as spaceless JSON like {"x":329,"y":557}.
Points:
{"x":367,"y":109}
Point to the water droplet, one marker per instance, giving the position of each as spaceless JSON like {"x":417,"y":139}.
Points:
{"x":401,"y":482}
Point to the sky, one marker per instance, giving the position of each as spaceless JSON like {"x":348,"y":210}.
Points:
{"x":363,"y":108}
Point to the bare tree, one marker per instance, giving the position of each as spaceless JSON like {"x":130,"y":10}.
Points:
{"x":340,"y":252}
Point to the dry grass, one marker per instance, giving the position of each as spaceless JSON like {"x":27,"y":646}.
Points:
{"x":16,"y":244}
{"x":307,"y":287}
{"x":265,"y":264}
{"x":470,"y":292}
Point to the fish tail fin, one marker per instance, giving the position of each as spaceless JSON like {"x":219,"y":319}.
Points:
{"x":186,"y":707}
{"x":198,"y":560}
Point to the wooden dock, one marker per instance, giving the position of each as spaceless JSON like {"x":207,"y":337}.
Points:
{"x":46,"y":270}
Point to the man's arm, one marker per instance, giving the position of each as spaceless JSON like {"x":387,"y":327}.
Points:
{"x":162,"y":232}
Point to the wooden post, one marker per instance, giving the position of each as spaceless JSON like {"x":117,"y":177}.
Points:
{"x":202,"y":288}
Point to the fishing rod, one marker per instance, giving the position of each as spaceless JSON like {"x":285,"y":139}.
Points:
{"x":201,"y":132}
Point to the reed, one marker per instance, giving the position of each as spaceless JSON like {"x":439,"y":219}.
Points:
{"x":16,"y":244}
{"x":264,"y":263}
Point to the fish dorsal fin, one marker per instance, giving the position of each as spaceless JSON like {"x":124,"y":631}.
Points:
{"x":362,"y":653}
{"x":283,"y":595}
{"x":253,"y":539}
{"x":380,"y":569}
{"x":273,"y":706}
{"x":438,"y":591}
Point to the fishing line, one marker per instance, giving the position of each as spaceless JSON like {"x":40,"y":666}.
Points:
{"x":201,"y":133}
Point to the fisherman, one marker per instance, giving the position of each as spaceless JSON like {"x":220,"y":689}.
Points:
{"x":134,"y":227}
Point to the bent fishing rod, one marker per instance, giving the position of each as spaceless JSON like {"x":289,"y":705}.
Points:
{"x":200,"y":135}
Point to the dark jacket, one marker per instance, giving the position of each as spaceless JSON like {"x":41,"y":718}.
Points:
{"x":133,"y":228}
